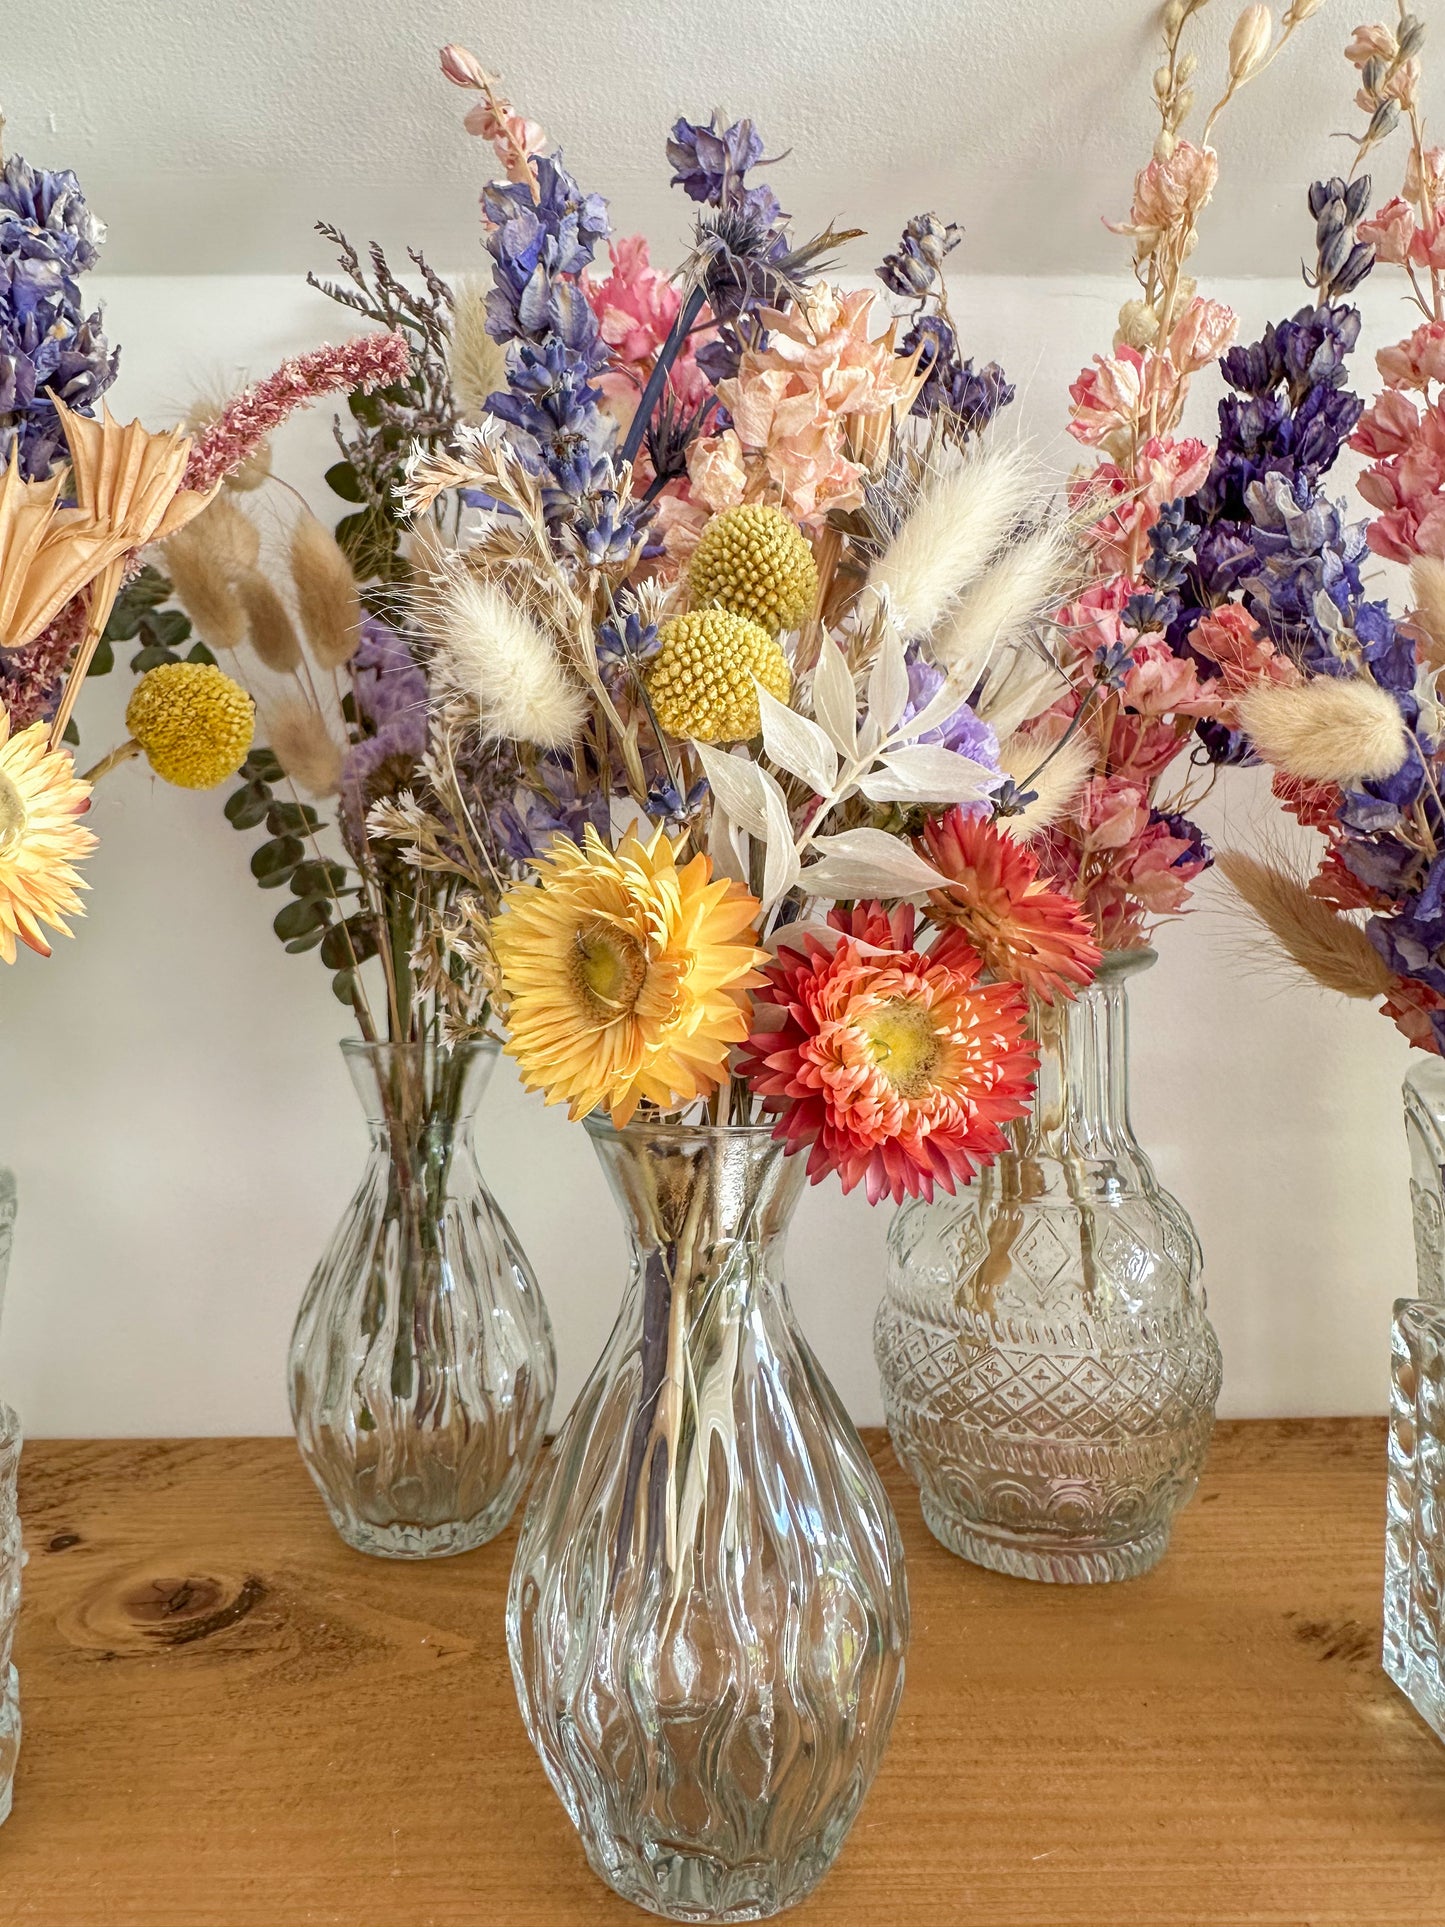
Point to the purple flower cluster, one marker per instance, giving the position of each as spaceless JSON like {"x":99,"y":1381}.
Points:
{"x":952,"y":388}
{"x":539,"y":249}
{"x":390,"y":692}
{"x":963,"y":731}
{"x":710,"y":164}
{"x":1260,"y":530}
{"x":554,"y":797}
{"x":49,"y":346}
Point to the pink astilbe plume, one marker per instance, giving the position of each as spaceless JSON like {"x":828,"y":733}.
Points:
{"x":370,"y":362}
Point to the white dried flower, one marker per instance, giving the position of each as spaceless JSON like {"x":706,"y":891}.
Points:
{"x":494,"y":655}
{"x":963,"y":515}
{"x":478,"y":365}
{"x":1250,"y":41}
{"x":1332,"y":729}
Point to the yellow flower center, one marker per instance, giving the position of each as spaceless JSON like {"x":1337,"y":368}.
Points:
{"x":609,"y":968}
{"x":904,"y":1045}
{"x":12,"y":815}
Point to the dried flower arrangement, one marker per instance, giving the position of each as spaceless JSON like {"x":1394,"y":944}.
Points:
{"x":80,"y":500}
{"x":1151,"y":683}
{"x":744,"y":634}
{"x":1350,"y":718}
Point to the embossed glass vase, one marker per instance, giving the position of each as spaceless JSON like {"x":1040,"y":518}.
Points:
{"x":12,"y":1556}
{"x":708,"y":1613}
{"x":1414,"y":1649}
{"x":1049,"y":1372}
{"x":1425,"y":1135}
{"x":422,"y":1364}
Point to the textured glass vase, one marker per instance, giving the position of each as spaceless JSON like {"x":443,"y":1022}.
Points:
{"x":422,"y":1365}
{"x":1415,"y":1511}
{"x":1425,"y":1134}
{"x":1049,"y":1373}
{"x":12,"y":1556}
{"x":708,"y":1612}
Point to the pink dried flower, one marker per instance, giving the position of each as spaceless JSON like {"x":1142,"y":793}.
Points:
{"x":1416,"y":361}
{"x":1230,"y":637}
{"x":635,"y":308}
{"x":31,"y":677}
{"x":1391,"y":230}
{"x":1201,"y":334}
{"x":1170,"y":193}
{"x":514,"y":138}
{"x":370,"y":362}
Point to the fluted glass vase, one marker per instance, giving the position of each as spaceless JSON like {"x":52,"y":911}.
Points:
{"x":708,"y":1612}
{"x":11,"y":1554}
{"x":1049,"y":1372}
{"x":422,"y":1364}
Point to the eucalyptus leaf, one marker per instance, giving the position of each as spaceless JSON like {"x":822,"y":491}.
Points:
{"x":291,"y":819}
{"x":151,"y":657}
{"x":350,"y":942}
{"x":198,"y":652}
{"x":342,"y":480}
{"x":308,"y":942}
{"x":318,"y":879}
{"x":263,"y":765}
{"x":301,"y":918}
{"x":275,"y":861}
{"x":246,"y":808}
{"x":343,"y":984}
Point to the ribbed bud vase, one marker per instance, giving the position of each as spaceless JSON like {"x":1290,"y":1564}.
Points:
{"x":708,"y":1614}
{"x":1049,"y":1372}
{"x":422,"y":1365}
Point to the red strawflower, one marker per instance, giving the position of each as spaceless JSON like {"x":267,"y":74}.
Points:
{"x":895,"y":1067}
{"x":1021,"y":928}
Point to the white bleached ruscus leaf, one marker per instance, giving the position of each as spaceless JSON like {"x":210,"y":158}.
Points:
{"x":928,"y":773}
{"x":835,"y":700}
{"x":868,"y":863}
{"x":796,"y":744}
{"x":887,"y":693}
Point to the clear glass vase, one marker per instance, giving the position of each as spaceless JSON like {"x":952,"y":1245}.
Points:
{"x":12,"y":1555}
{"x":1048,"y":1370}
{"x":1415,"y":1511}
{"x":708,"y":1612}
{"x":1425,"y":1135}
{"x":422,"y":1364}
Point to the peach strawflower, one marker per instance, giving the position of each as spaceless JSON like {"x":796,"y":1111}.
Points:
{"x":1022,"y":929}
{"x":40,"y":840}
{"x":625,"y":977}
{"x":893,"y":1067}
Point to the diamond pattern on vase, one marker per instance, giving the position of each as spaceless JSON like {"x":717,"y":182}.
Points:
{"x":1041,"y":1253}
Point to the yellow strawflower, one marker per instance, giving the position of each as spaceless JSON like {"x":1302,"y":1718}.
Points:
{"x":754,"y":561}
{"x":624,"y":977}
{"x":194,"y":724}
{"x":700,"y":682}
{"x":40,"y":840}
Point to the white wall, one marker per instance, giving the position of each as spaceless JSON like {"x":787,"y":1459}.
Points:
{"x":175,"y":1108}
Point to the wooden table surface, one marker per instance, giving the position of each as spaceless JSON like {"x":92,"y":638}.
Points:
{"x":231,"y":1719}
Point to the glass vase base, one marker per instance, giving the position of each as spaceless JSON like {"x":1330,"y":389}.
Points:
{"x":9,"y":1739}
{"x":690,"y":1886}
{"x":420,"y":1542}
{"x":1420,"y":1684}
{"x":1025,"y":1556}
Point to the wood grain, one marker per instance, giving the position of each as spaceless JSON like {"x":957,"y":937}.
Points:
{"x":233,"y":1721}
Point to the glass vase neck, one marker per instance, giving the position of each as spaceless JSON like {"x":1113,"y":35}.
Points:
{"x":688,"y":1188}
{"x":403,"y":1086}
{"x":1081,"y":1096}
